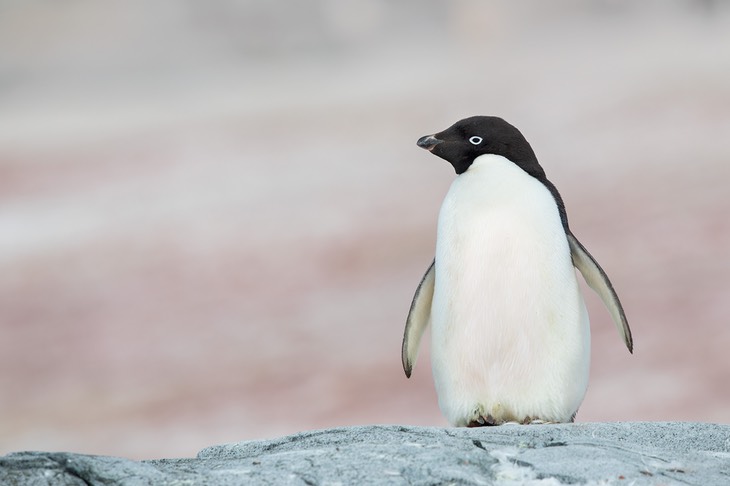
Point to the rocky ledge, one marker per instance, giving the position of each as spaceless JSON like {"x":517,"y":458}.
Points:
{"x":584,"y":453}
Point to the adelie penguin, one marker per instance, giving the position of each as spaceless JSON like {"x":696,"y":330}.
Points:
{"x":510,"y":331}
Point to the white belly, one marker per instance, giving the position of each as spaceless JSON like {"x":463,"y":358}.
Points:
{"x":510,"y":330}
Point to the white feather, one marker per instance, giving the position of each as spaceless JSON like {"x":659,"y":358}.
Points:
{"x":510,"y":331}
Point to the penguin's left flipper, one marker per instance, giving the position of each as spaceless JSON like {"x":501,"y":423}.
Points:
{"x":597,"y":279}
{"x":419,"y":316}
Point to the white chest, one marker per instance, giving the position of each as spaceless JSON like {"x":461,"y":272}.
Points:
{"x":509,"y":325}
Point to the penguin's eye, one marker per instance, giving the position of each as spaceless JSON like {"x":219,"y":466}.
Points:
{"x":475,"y":140}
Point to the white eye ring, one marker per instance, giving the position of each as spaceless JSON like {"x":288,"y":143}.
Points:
{"x":475,"y":140}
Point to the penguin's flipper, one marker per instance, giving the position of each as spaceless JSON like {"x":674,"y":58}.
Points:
{"x":597,"y":279}
{"x":418,"y":318}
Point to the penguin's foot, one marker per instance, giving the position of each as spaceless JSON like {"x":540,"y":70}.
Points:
{"x":479,"y":418}
{"x":482,"y":421}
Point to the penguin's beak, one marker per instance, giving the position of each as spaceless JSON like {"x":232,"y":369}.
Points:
{"x":428,"y":142}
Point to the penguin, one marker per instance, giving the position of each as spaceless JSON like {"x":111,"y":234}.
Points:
{"x":510,"y":334}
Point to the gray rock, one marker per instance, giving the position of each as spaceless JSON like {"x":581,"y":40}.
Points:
{"x":616,"y":453}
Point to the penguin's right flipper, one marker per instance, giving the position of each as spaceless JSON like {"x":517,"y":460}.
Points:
{"x":418,"y":318}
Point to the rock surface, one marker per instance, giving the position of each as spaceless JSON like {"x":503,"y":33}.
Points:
{"x":590,"y":453}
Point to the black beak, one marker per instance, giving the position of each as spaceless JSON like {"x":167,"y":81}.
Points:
{"x":428,"y":142}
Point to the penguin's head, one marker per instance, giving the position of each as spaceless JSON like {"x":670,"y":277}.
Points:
{"x":469,"y":138}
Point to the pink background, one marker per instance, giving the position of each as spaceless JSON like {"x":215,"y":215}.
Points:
{"x":213,"y":216}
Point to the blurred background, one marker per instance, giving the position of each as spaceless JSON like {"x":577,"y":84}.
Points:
{"x":213,"y":215}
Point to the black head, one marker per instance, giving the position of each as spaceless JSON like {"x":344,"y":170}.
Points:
{"x":471,"y":137}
